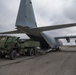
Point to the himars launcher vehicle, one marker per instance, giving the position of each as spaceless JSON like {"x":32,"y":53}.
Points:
{"x":11,"y":46}
{"x":26,"y":23}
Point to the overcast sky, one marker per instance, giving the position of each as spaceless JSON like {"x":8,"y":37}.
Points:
{"x":47,"y":12}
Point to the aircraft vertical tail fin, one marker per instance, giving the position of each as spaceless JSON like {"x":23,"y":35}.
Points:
{"x":26,"y":16}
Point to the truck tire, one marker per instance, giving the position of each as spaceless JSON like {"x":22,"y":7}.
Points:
{"x":35,"y":51}
{"x":31,"y":52}
{"x":13,"y":54}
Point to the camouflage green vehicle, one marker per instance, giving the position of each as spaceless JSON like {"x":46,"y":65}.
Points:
{"x":10,"y":45}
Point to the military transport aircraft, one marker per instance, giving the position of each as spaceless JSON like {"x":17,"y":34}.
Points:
{"x":26,"y":23}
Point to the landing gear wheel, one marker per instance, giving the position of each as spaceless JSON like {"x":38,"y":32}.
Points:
{"x":13,"y":54}
{"x":58,"y":49}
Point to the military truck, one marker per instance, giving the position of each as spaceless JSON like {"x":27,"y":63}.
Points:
{"x":11,"y":46}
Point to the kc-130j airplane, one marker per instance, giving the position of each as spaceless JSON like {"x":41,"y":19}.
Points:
{"x":26,"y":23}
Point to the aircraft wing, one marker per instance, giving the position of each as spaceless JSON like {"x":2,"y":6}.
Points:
{"x":66,"y":37}
{"x":40,"y":29}
{"x":12,"y":32}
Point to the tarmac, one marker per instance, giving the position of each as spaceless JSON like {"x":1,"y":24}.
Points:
{"x":52,"y":63}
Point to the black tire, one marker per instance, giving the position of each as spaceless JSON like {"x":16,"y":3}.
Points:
{"x":13,"y":54}
{"x":31,"y":52}
{"x":35,"y":51}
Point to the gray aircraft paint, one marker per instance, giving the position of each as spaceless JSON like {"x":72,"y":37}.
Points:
{"x":54,"y":43}
{"x":26,"y":15}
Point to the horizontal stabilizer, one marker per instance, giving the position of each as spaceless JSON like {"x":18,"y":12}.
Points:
{"x":40,"y":29}
{"x":12,"y":32}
